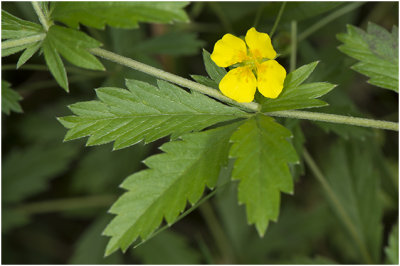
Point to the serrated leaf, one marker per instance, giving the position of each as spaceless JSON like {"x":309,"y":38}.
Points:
{"x":55,"y":64}
{"x":174,"y":177}
{"x":392,"y":250}
{"x":350,"y":172}
{"x":9,"y":99}
{"x":73,"y":45}
{"x":377,"y":51}
{"x":215,"y":72}
{"x":296,"y":95}
{"x":15,"y":28}
{"x":262,"y":154}
{"x":26,"y":172}
{"x":118,"y":14}
{"x":144,"y":112}
{"x":28,"y":53}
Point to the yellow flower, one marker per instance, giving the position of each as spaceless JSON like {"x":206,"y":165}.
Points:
{"x":256,"y":60}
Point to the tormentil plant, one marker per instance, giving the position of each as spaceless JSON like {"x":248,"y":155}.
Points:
{"x":207,"y":128}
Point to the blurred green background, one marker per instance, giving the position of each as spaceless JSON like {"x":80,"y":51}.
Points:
{"x":55,"y":195}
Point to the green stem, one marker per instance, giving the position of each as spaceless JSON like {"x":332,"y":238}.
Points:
{"x":321,"y":23}
{"x":293,"y":54}
{"x":171,"y":78}
{"x":217,"y":231}
{"x":42,"y":17}
{"x":338,"y":206}
{"x":22,"y":41}
{"x":339,"y":119}
{"x":67,"y":204}
{"x":253,"y":107}
{"x":278,"y":18}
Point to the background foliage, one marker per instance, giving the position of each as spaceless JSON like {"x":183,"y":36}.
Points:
{"x":56,"y":194}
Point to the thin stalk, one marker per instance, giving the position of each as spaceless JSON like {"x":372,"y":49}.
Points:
{"x":253,"y":107}
{"x":42,"y":18}
{"x":338,"y":119}
{"x":293,"y":53}
{"x":338,"y":206}
{"x":278,"y":18}
{"x":67,"y":204}
{"x":22,"y":41}
{"x":217,"y":232}
{"x":171,"y":78}
{"x":328,"y":19}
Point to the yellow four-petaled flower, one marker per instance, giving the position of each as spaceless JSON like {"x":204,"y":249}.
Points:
{"x":257,"y":69}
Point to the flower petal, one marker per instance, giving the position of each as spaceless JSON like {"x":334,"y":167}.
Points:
{"x":229,"y":50}
{"x":270,"y":78}
{"x":259,"y":44}
{"x":239,"y":84}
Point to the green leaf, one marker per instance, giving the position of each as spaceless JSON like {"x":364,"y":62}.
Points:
{"x":13,"y":50}
{"x":354,"y":181}
{"x":296,"y":95}
{"x":176,"y":176}
{"x":205,"y":81}
{"x":144,"y":112}
{"x":55,"y":64}
{"x":73,"y":45}
{"x":170,"y":43}
{"x":392,"y":250}
{"x":26,"y":172}
{"x":177,"y":251}
{"x":12,"y":218}
{"x":118,"y":14}
{"x":28,"y":53}
{"x":9,"y":99}
{"x":377,"y":50}
{"x":215,"y":72}
{"x":15,"y":28}
{"x":262,"y":155}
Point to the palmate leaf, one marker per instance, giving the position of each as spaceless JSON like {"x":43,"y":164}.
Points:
{"x":296,"y":95}
{"x":176,"y":176}
{"x":118,"y":14}
{"x":144,"y":112}
{"x":9,"y":99}
{"x":262,"y":154}
{"x":72,"y":45}
{"x":15,"y":28}
{"x":377,"y":50}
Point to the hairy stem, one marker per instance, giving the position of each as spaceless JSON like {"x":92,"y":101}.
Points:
{"x":67,"y":204}
{"x":42,"y":18}
{"x":253,"y":107}
{"x":22,"y":41}
{"x":337,"y":206}
{"x":278,"y":18}
{"x":338,"y":119}
{"x":171,"y":78}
